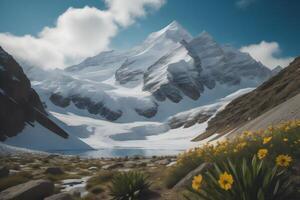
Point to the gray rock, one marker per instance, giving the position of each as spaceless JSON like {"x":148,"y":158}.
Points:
{"x":171,"y":164}
{"x":163,"y":162}
{"x":60,"y":196}
{"x":54,"y":170}
{"x":4,"y":171}
{"x":150,"y":165}
{"x":186,"y":180}
{"x":32,"y":190}
{"x":148,"y":112}
{"x":87,"y":104}
{"x":130,"y":164}
{"x":93,"y":168}
{"x":59,"y":100}
{"x":126,"y":74}
{"x":112,"y":166}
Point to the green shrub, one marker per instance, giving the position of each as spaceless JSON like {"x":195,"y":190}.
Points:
{"x":96,"y":189}
{"x":244,"y":180}
{"x":100,"y":178}
{"x":13,"y":180}
{"x":129,"y":185}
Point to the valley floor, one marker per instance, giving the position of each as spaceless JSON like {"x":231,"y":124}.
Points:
{"x":83,"y":178}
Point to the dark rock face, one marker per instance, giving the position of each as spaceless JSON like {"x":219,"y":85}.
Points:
{"x":179,"y":122}
{"x":19,"y":103}
{"x":124,"y":74}
{"x":59,"y":100}
{"x":276,"y":70}
{"x":149,"y":112}
{"x":179,"y":78}
{"x":60,"y":196}
{"x":96,"y":108}
{"x":33,"y":190}
{"x":278,"y":89}
{"x":54,"y":170}
{"x":4,"y":171}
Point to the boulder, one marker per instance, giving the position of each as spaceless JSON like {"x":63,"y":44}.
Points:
{"x":163,"y":162}
{"x":32,"y":190}
{"x":112,"y":166}
{"x":130,"y":164}
{"x":93,"y":168}
{"x":60,"y":196}
{"x":54,"y":170}
{"x":186,"y":180}
{"x":4,"y":171}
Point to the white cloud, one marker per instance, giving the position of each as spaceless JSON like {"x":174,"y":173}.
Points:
{"x":267,"y":53}
{"x":125,"y":12}
{"x":77,"y":34}
{"x":244,"y":3}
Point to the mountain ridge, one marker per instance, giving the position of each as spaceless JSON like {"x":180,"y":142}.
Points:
{"x":139,"y":97}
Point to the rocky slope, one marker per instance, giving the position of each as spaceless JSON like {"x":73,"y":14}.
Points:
{"x":278,"y":89}
{"x":288,"y":110}
{"x":19,"y":103}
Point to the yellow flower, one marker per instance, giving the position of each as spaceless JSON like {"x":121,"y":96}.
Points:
{"x":285,"y":139}
{"x":270,"y":128}
{"x":225,"y":181}
{"x":283,"y":160}
{"x":196,"y":184}
{"x":287,"y":128}
{"x":262,"y":153}
{"x":241,"y":145}
{"x":267,"y":140}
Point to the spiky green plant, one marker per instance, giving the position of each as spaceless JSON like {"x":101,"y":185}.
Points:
{"x":129,"y":185}
{"x":251,"y":180}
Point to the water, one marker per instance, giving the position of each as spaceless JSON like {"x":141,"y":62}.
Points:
{"x":119,"y":152}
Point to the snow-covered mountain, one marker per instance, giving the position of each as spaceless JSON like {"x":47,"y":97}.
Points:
{"x":132,"y":97}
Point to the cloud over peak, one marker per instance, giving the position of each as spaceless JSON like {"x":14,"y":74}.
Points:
{"x":77,"y":34}
{"x":267,"y":53}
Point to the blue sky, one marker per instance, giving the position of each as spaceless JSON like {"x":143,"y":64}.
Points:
{"x":238,"y":22}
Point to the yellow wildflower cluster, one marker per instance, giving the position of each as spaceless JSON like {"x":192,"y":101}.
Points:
{"x":225,"y":181}
{"x":265,"y":144}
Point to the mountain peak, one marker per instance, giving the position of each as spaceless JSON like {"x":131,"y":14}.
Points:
{"x":173,"y":25}
{"x":205,"y":35}
{"x":173,"y":31}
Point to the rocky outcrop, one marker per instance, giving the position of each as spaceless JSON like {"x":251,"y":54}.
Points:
{"x":198,"y":64}
{"x":60,"y":196}
{"x":19,"y":103}
{"x":278,"y":89}
{"x":188,"y":121}
{"x":59,"y":100}
{"x":54,"y":170}
{"x":4,"y":171}
{"x":148,"y":112}
{"x":33,"y":190}
{"x":96,"y":108}
{"x":124,"y":74}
